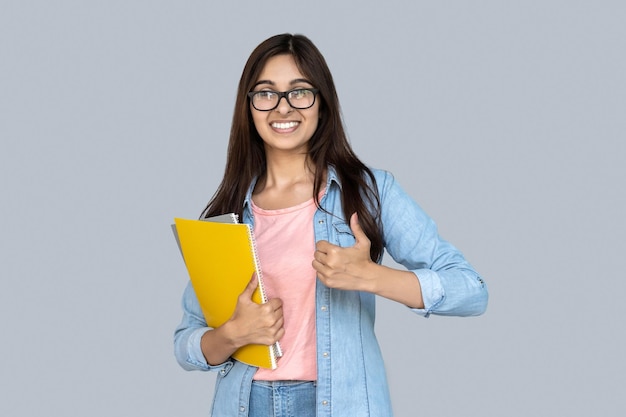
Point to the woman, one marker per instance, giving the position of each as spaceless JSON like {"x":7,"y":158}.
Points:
{"x":321,"y":220}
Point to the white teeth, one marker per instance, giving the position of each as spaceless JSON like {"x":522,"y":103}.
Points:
{"x":287,"y":125}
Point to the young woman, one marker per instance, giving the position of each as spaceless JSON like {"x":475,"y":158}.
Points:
{"x":322,"y":220}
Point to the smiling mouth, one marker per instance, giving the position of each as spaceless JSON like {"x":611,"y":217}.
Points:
{"x":286,"y":125}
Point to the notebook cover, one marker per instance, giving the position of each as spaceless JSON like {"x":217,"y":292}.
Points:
{"x":220,"y":259}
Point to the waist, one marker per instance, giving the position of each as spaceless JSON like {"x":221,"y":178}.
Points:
{"x":283,"y":383}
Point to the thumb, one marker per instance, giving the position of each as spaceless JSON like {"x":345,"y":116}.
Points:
{"x":358,"y":232}
{"x":249,"y":290}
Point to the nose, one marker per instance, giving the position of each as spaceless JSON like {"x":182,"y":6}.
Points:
{"x":283,"y":106}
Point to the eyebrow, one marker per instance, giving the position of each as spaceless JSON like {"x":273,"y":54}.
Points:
{"x":292,"y":82}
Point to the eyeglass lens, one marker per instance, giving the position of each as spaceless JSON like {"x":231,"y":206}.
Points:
{"x":298,"y":99}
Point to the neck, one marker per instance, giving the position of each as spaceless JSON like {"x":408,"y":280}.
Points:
{"x":286,"y":172}
{"x":287,"y":182}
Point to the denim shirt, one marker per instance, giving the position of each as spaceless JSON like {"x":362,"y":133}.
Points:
{"x":351,"y":375}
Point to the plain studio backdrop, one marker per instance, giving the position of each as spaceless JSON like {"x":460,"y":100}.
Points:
{"x":505,"y":120}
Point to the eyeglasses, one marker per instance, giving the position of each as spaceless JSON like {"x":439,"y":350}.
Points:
{"x":299,"y":98}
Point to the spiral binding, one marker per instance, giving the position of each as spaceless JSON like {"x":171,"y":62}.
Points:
{"x":259,"y":273}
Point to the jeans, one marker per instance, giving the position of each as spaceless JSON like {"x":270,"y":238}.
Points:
{"x":282,"y":399}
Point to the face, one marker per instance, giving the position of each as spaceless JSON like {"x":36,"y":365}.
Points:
{"x":284,"y":129}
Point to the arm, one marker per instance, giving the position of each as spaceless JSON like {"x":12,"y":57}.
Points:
{"x":450,"y":285}
{"x":198,"y":347}
{"x":438,"y":279}
{"x":251,"y":323}
{"x":353,"y":269}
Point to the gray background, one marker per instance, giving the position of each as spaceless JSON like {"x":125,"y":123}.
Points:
{"x":505,"y":121}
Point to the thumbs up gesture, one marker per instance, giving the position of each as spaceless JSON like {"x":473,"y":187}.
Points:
{"x":346,"y":268}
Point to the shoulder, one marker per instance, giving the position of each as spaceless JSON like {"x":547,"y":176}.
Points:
{"x":384,"y":180}
{"x":381,"y":174}
{"x":391,"y":193}
{"x":379,"y":180}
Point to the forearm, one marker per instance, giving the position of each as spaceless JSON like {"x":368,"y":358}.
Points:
{"x":218,"y":344}
{"x":449,"y":284}
{"x":394,"y":284}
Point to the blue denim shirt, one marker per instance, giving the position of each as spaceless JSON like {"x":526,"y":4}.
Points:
{"x":351,"y":375}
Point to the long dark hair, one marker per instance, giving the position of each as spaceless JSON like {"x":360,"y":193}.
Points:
{"x":328,"y":145}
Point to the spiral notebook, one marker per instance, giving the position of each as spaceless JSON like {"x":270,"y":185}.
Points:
{"x":220,"y":255}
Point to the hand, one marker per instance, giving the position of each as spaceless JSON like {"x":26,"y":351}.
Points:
{"x":253,"y":323}
{"x":345,"y":268}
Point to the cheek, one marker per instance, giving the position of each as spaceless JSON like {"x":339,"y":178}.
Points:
{"x":314,"y":126}
{"x":258,"y":120}
{"x":314,"y":118}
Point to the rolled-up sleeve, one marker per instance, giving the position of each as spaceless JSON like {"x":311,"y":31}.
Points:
{"x":187,"y":336}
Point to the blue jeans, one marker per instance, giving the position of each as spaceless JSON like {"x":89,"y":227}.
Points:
{"x":282,"y":399}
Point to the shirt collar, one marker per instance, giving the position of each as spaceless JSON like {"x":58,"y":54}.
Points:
{"x":331,"y":176}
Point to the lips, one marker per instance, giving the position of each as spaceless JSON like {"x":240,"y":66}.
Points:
{"x":284,"y":125}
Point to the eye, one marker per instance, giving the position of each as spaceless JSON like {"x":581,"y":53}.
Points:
{"x":265,"y":95}
{"x":299,"y":94}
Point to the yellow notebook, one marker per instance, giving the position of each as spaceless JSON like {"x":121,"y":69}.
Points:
{"x":221,"y":258}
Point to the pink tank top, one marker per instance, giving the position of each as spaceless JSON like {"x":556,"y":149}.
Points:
{"x":285,"y":245}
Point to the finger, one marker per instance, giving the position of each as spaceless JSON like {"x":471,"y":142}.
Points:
{"x":275,"y":304}
{"x":319,"y":256}
{"x":278,"y":323}
{"x":323,"y":246}
{"x":249,"y":290}
{"x":278,"y":334}
{"x":316,"y":263}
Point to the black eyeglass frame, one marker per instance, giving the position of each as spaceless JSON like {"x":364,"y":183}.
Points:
{"x":284,"y":94}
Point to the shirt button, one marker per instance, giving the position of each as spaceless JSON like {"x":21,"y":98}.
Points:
{"x":320,"y":221}
{"x":323,"y":308}
{"x":324,"y":402}
{"x":325,"y":354}
{"x":242,"y":408}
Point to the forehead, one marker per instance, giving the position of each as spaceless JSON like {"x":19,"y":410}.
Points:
{"x":280,"y":69}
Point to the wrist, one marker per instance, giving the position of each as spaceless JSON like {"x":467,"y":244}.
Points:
{"x":371,"y":277}
{"x":229,"y":335}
